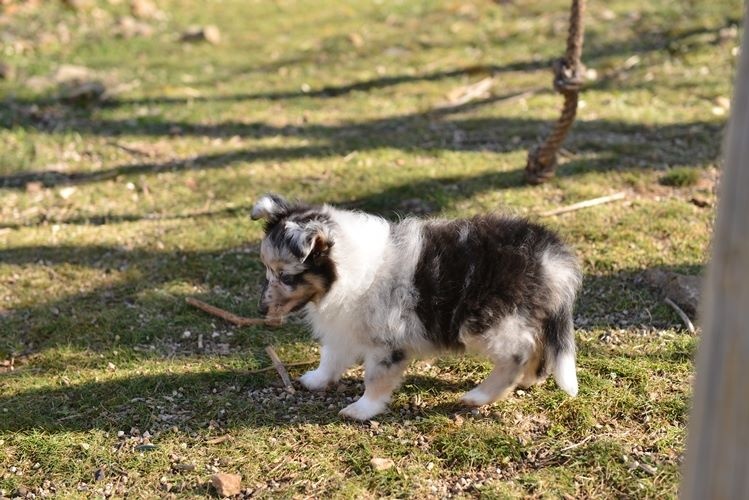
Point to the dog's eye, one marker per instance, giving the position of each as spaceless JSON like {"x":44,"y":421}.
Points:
{"x":288,"y":279}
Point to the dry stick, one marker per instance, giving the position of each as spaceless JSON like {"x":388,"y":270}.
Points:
{"x":290,"y":365}
{"x":280,"y":368}
{"x":231,"y":317}
{"x":577,"y":445}
{"x":585,"y":204}
{"x":129,"y":149}
{"x":681,"y":314}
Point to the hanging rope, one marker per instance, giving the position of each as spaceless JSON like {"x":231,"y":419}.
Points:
{"x":568,"y":79}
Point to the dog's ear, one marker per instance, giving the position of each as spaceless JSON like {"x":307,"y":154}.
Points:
{"x":309,"y":241}
{"x":270,"y":207}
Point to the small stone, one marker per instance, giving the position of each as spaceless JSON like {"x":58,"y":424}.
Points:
{"x":683,"y":289}
{"x":6,"y":71}
{"x":111,"y":366}
{"x":129,"y":27}
{"x":120,"y":434}
{"x":82,"y":92}
{"x":99,"y":474}
{"x":699,"y":202}
{"x":458,"y":420}
{"x":143,"y":9}
{"x":723,"y":102}
{"x":34,"y":187}
{"x":210,"y":34}
{"x":67,"y":192}
{"x":85,"y":446}
{"x":183,"y":467}
{"x":227,"y":485}
{"x":380,"y":464}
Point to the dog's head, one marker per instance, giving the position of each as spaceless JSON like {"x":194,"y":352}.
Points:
{"x":296,"y":253}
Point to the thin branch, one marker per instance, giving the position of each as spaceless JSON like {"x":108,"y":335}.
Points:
{"x":130,"y":149}
{"x":577,"y":445}
{"x":684,"y":318}
{"x":272,"y":367}
{"x":585,"y":204}
{"x":231,"y":317}
{"x":280,"y":368}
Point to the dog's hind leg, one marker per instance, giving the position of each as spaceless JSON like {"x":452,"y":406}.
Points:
{"x":534,"y":371}
{"x":383,"y":373}
{"x":510,"y":345}
{"x":502,"y":379}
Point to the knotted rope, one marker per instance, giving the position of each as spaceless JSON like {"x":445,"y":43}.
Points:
{"x":568,"y":79}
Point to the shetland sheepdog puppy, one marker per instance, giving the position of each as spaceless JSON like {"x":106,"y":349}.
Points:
{"x":386,"y":292}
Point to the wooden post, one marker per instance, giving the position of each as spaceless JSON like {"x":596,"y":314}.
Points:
{"x":717,"y":461}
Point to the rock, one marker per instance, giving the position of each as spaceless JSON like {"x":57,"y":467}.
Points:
{"x":683,"y":289}
{"x":143,"y":9}
{"x":458,"y":420}
{"x":700,"y":202}
{"x":129,"y":27}
{"x":227,"y":485}
{"x":6,"y":71}
{"x":83,"y":92}
{"x":184,"y":467}
{"x":380,"y":464}
{"x":72,"y":73}
{"x":76,"y":84}
{"x":210,"y":34}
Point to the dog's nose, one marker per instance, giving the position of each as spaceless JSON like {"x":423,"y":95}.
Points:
{"x":263,"y":309}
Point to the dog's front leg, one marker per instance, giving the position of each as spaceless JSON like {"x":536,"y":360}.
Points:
{"x":334,"y":360}
{"x":383,"y":370}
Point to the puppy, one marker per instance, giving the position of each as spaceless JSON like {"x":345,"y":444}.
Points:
{"x":386,"y":293}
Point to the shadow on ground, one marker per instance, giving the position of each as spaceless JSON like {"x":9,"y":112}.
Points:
{"x":616,"y":145}
{"x":135,"y":310}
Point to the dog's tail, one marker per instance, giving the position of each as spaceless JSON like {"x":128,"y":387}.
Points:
{"x":559,"y":334}
{"x":564,"y":278}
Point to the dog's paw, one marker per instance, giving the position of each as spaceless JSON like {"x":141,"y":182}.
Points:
{"x":476,"y":397}
{"x":314,"y":380}
{"x":363,"y":409}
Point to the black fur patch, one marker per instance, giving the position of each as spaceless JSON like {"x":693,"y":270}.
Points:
{"x":471,"y":273}
{"x":396,"y":356}
{"x":555,"y":328}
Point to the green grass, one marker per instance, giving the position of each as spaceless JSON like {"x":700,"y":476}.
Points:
{"x":112,"y":213}
{"x":680,"y":177}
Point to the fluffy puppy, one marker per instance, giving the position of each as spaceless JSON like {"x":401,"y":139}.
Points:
{"x":386,"y":293}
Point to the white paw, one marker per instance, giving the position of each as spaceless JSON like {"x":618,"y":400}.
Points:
{"x":476,"y":397}
{"x":314,"y":380}
{"x":364,"y":409}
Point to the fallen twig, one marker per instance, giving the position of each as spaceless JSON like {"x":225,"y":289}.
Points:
{"x":585,"y":204}
{"x":280,"y":368}
{"x":130,"y":149}
{"x":469,"y":93}
{"x":682,"y":315}
{"x":231,"y":317}
{"x":269,"y":368}
{"x":577,"y":445}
